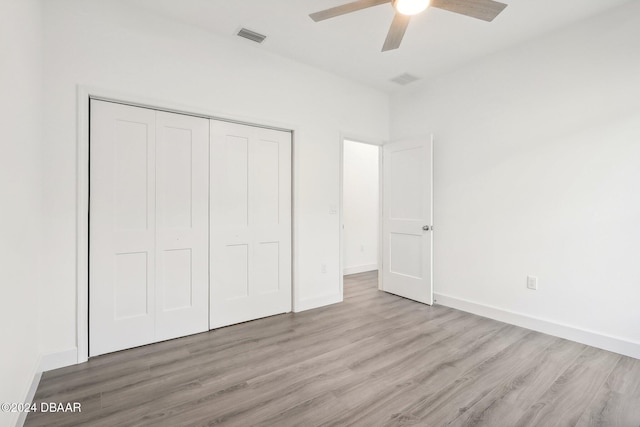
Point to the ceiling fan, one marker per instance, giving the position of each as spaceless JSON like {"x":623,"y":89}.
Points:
{"x":486,"y":10}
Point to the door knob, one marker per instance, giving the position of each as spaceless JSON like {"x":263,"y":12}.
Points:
{"x":426,"y":228}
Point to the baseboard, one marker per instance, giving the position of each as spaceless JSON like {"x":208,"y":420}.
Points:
{"x":60,"y":359}
{"x":46,"y":362}
{"x":31,"y":392}
{"x":594,"y":339}
{"x":359,"y":269}
{"x":311,"y":303}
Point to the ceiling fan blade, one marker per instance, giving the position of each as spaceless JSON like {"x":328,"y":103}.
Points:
{"x":346,"y":8}
{"x":480,"y":9}
{"x":396,"y":32}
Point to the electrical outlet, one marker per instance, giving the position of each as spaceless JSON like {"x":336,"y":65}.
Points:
{"x":532,"y":283}
{"x":361,"y":248}
{"x":323,"y":268}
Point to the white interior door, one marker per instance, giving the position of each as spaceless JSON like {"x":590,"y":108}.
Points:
{"x":250,"y":245}
{"x":407,"y":219}
{"x":148,"y":233}
{"x":121,"y":227}
{"x":182,"y":225}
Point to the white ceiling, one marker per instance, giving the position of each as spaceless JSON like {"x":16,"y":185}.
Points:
{"x":350,"y":45}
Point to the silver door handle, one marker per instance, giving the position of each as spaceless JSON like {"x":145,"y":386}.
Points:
{"x":426,"y":228}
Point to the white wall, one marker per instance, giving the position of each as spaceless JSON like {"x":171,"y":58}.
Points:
{"x":113,"y":46}
{"x":20,"y":196}
{"x":537,"y":171}
{"x":360,"y":207}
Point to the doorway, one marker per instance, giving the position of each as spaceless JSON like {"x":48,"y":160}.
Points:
{"x":360,"y":208}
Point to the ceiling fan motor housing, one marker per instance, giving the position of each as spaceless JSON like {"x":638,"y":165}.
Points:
{"x":410,"y":7}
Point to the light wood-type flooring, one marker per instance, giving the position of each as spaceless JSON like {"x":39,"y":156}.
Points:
{"x":374,"y":360}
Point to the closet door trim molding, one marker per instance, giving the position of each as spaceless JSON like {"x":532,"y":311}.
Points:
{"x":84,"y":94}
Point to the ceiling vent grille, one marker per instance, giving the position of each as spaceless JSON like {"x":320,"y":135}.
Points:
{"x":251,"y":35}
{"x":405,"y":79}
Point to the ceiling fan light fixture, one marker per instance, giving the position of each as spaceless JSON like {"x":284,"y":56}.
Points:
{"x":410,"y":7}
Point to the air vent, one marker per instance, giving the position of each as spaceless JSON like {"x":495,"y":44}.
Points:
{"x":405,"y":79}
{"x":251,"y":35}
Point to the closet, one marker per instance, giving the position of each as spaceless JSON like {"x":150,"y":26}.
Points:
{"x":189,"y":225}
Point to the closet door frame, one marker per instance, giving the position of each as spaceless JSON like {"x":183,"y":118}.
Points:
{"x":84,"y":96}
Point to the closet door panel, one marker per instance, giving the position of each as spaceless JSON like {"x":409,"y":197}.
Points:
{"x":182,"y":228}
{"x":149,"y":226}
{"x":122,"y":227}
{"x":250,"y":218}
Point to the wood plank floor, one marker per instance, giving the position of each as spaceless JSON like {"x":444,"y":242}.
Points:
{"x":374,"y":360}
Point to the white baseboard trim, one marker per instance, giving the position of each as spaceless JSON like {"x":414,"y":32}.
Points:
{"x":572,"y":333}
{"x":311,"y":303}
{"x":31,"y":392}
{"x":47,"y":362}
{"x":60,"y":359}
{"x":359,"y":269}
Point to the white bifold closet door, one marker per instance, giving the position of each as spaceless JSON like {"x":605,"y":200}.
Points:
{"x":250,"y":223}
{"x":149,"y":226}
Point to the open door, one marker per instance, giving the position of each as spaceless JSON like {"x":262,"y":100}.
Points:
{"x":407,"y":219}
